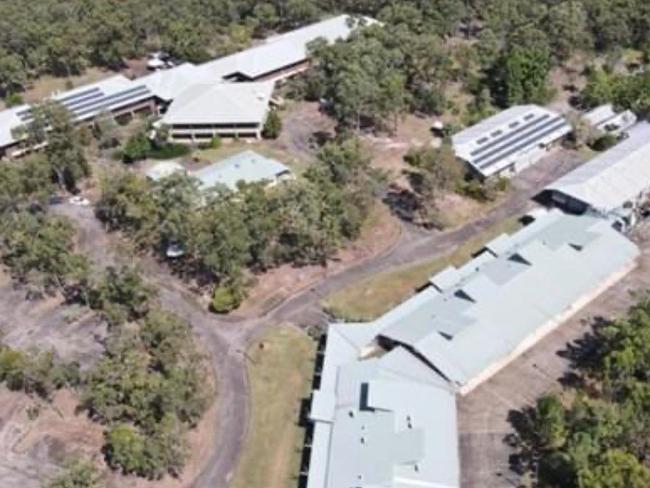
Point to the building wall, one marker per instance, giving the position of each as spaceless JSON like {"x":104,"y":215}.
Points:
{"x":189,"y":134}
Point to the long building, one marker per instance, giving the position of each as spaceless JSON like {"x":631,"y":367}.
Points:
{"x":616,"y":183}
{"x":384,"y":411}
{"x":238,"y":89}
{"x":509,"y":141}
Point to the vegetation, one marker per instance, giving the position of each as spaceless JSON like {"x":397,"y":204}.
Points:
{"x":624,"y":91}
{"x":223,"y":233}
{"x":78,"y":474}
{"x":140,"y":146}
{"x":148,"y":389}
{"x":595,"y":435}
{"x":272,"y":126}
{"x":279,"y":371}
{"x":35,"y":373}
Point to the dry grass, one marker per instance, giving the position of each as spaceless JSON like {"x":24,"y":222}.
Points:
{"x":46,"y":85}
{"x":280,"y":372}
{"x":376,"y":295}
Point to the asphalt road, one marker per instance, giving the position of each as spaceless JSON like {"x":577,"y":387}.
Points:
{"x":226,"y":339}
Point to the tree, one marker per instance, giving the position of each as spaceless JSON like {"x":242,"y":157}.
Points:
{"x":77,"y":474}
{"x":125,"y":450}
{"x":136,"y":148}
{"x":524,"y":76}
{"x":616,"y":469}
{"x":272,"y":126}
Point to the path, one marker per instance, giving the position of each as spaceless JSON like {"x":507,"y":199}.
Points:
{"x":226,"y":339}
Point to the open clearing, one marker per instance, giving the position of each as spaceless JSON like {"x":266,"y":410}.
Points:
{"x":280,"y":367}
{"x":376,"y":295}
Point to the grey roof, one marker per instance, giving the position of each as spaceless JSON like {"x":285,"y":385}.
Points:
{"x":221,"y":103}
{"x":169,"y":83}
{"x":476,"y":316}
{"x":606,"y":118}
{"x":247,"y":167}
{"x":496,"y":142}
{"x":386,"y":422}
{"x":614,"y":178}
{"x":280,"y":51}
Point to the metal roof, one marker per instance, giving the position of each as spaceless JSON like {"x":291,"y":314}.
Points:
{"x":615,"y":177}
{"x":500,"y":301}
{"x":164,"y":169}
{"x":281,"y":50}
{"x":607,"y":119}
{"x":498,"y":141}
{"x":247,"y":167}
{"x":386,"y":421}
{"x":169,"y":83}
{"x":221,"y":103}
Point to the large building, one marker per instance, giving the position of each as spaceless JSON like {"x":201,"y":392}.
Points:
{"x":509,"y":141}
{"x":616,"y":183}
{"x":383,"y":411}
{"x":204,"y":111}
{"x":233,"y":92}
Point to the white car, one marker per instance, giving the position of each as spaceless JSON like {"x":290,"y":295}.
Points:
{"x":79,"y":201}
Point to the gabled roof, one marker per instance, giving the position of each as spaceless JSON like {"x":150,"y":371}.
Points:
{"x":615,"y":177}
{"x":486,"y":311}
{"x":496,"y":142}
{"x":281,"y":50}
{"x":221,"y":103}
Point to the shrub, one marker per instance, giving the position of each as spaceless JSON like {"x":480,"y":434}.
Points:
{"x":136,"y":148}
{"x":226,"y":298}
{"x":604,"y":142}
{"x":169,"y":151}
{"x":13,"y":100}
{"x":272,"y":126}
{"x":215,"y":143}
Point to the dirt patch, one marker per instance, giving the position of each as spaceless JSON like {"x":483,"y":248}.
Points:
{"x":33,"y":446}
{"x":381,"y":232}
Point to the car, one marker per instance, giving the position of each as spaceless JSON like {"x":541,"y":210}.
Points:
{"x":175,"y":250}
{"x":158,"y":60}
{"x":79,"y":201}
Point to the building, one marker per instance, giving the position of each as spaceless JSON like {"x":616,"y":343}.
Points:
{"x":235,"y":110}
{"x":606,"y":120}
{"x":201,"y":112}
{"x":116,"y":95}
{"x":245,"y":167}
{"x":383,"y":409}
{"x":616,"y":183}
{"x":509,"y":141}
{"x":283,"y":55}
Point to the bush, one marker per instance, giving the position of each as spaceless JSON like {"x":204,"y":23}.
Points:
{"x":169,"y":151}
{"x":215,"y":143}
{"x":136,"y":148}
{"x":226,"y":298}
{"x":604,"y":142}
{"x":272,"y":126}
{"x":13,"y":100}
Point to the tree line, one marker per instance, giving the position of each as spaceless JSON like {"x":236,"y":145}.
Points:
{"x":222,"y":233}
{"x":596,"y":434}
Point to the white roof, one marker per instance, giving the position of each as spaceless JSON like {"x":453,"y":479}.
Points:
{"x":280,"y":51}
{"x":9,"y":121}
{"x":617,"y":176}
{"x":221,"y":103}
{"x":606,"y":118}
{"x":168,"y":84}
{"x":386,"y":422}
{"x":498,"y":141}
{"x":164,"y":169}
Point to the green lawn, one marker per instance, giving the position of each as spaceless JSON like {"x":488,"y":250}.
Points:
{"x":373,"y":296}
{"x":280,"y":371}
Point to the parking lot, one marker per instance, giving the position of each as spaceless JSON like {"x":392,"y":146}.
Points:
{"x":484,"y":413}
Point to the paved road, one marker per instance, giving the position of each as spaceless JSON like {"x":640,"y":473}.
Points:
{"x":226,"y":340}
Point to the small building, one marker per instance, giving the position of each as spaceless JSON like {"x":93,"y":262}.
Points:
{"x":615,"y":184}
{"x":509,"y":141}
{"x":204,"y":111}
{"x":164,"y":169}
{"x":245,"y":167}
{"x":606,"y":120}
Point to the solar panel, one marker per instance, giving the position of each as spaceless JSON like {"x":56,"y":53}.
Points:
{"x":107,"y":100}
{"x":529,"y":116}
{"x":121,"y":98}
{"x":482,"y":140}
{"x":524,"y":144}
{"x":81,"y":100}
{"x":69,"y":102}
{"x":496,"y":133}
{"x":81,"y":94}
{"x":510,"y":135}
{"x":521,"y":136}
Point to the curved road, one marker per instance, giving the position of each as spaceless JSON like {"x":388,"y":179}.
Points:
{"x":226,"y":339}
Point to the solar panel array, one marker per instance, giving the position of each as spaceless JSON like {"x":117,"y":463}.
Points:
{"x":88,"y":103}
{"x":527,"y":132}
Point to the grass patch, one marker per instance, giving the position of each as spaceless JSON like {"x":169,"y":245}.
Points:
{"x":371,"y":297}
{"x":280,"y":372}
